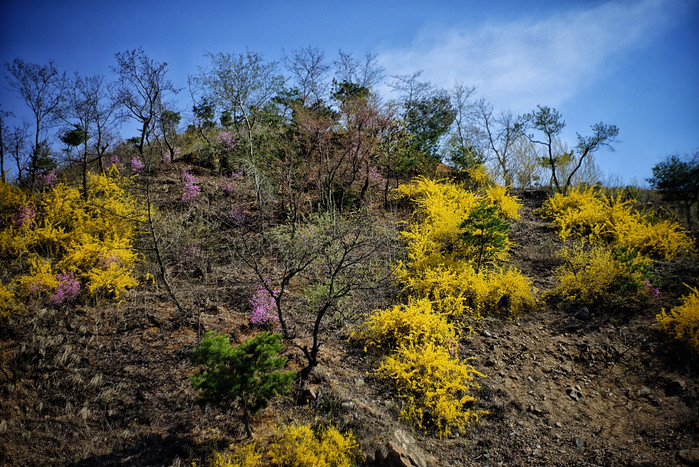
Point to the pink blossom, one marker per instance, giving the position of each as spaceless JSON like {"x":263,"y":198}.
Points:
{"x":237,"y":216}
{"x":48,"y":180}
{"x":263,"y":306}
{"x":115,"y":162}
{"x":136,"y":165}
{"x":25,"y":216}
{"x":67,"y":290}
{"x":191,"y":189}
{"x":229,"y":184}
{"x":226,"y":139}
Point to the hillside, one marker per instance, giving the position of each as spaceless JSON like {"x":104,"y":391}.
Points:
{"x":107,"y":382}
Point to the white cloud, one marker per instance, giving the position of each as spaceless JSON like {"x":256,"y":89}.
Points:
{"x":532,"y":61}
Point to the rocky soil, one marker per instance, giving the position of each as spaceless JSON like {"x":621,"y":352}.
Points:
{"x":109,"y":385}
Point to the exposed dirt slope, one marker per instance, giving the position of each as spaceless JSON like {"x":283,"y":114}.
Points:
{"x":110,"y":386}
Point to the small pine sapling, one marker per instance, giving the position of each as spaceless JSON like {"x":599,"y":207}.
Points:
{"x":248,"y":373}
{"x":486,"y":232}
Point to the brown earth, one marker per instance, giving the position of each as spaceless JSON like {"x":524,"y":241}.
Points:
{"x":109,"y":385}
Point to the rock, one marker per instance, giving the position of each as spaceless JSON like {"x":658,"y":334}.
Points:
{"x":574,"y":393}
{"x":579,"y":443}
{"x":644,"y":392}
{"x":359,"y":382}
{"x":675,"y":387}
{"x":485,"y":333}
{"x":308,"y":395}
{"x":381,"y":454}
{"x":583,"y":313}
{"x":403,"y":451}
{"x":689,"y":456}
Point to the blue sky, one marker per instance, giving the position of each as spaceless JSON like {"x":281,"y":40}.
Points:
{"x":634,"y":64}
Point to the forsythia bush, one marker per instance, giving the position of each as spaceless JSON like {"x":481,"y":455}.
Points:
{"x":460,"y":292}
{"x":435,"y":385}
{"x":415,"y":323}
{"x":295,"y":446}
{"x":238,"y":456}
{"x":54,"y":243}
{"x":682,"y":323}
{"x":587,"y":275}
{"x":616,"y":249}
{"x":590,"y":215}
{"x":298,"y":446}
{"x":440,"y":265}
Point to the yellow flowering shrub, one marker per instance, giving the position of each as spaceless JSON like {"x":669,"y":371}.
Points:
{"x":590,"y":215}
{"x":8,"y":303}
{"x":618,"y":245}
{"x":298,"y":446}
{"x":665,"y":239}
{"x":479,"y":176}
{"x":508,"y":204}
{"x":415,"y":322}
{"x":39,"y":280}
{"x":446,"y":286}
{"x":459,"y":291}
{"x":587,"y":275}
{"x":594,"y":274}
{"x":682,"y":323}
{"x":56,"y":232}
{"x":438,"y":265}
{"x":239,"y":456}
{"x":434,"y":384}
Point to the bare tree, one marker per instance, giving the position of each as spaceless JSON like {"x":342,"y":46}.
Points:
{"x":500,"y":133}
{"x":141,"y":90}
{"x":41,"y":87}
{"x":549,"y":123}
{"x":3,"y":137}
{"x":463,"y":141}
{"x":308,"y":69}
{"x":366,"y":74}
{"x":17,"y":148}
{"x":242,"y":86}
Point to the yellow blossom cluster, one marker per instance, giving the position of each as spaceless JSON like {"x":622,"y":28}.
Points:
{"x":419,"y":340}
{"x":295,"y":445}
{"x":682,"y":323}
{"x":57,"y":232}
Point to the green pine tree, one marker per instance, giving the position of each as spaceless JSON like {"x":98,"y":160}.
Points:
{"x":484,"y":230}
{"x":248,"y":373}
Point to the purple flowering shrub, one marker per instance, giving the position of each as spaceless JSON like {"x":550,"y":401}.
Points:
{"x":49,"y":179}
{"x":115,"y":162}
{"x":225,"y":138}
{"x":229,"y":184}
{"x":25,"y":216}
{"x":649,"y":290}
{"x":191,"y":187}
{"x":263,"y":306}
{"x":67,"y":290}
{"x":136,"y":165}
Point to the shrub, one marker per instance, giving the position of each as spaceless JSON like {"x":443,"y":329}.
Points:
{"x":453,"y":229}
{"x":459,"y":291}
{"x":191,"y":188}
{"x":248,"y":373}
{"x":239,"y":456}
{"x":416,"y":322}
{"x":682,"y":323}
{"x":590,"y":215}
{"x":62,"y":234}
{"x":263,"y":306}
{"x":598,"y":274}
{"x":434,"y":385}
{"x":298,"y":446}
